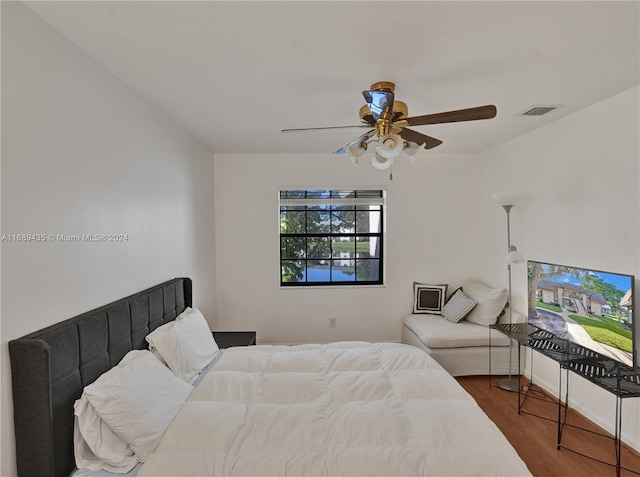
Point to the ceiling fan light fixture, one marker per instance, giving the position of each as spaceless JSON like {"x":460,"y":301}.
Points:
{"x":354,"y":151}
{"x":389,"y":145}
{"x":410,"y":149}
{"x":381,"y":162}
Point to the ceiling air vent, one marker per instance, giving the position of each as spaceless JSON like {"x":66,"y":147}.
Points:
{"x":539,"y":110}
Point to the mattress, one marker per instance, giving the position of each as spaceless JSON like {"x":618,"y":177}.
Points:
{"x":347,"y":408}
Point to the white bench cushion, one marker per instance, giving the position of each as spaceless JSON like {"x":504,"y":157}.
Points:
{"x":436,"y":332}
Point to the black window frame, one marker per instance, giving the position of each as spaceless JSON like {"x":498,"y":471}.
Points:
{"x":329,"y":201}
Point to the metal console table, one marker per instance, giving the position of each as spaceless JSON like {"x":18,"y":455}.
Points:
{"x":619,"y":379}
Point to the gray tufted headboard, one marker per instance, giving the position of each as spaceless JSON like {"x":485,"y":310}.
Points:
{"x":49,"y":369}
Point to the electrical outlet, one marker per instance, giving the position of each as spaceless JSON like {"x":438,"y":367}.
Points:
{"x":332,"y":322}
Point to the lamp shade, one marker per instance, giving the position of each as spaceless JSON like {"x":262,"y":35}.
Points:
{"x":380,"y":162}
{"x":390,"y":146}
{"x":357,"y":149}
{"x":410,"y":149}
{"x":354,"y":151}
{"x":505,"y":198}
{"x":514,"y":257}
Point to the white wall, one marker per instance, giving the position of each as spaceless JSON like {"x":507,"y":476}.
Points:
{"x":578,"y":178}
{"x":83,"y":154}
{"x":432,"y":222}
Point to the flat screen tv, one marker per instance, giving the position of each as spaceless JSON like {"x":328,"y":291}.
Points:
{"x":590,"y":307}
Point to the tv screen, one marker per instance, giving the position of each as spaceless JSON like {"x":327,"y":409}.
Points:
{"x":589,"y":307}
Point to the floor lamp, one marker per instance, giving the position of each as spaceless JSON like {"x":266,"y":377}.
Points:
{"x":507,"y":201}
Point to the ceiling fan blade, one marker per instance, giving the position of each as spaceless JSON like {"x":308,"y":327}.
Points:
{"x":364,"y":138}
{"x":419,"y":138}
{"x":470,"y":114}
{"x":359,"y":126}
{"x":380,"y":103}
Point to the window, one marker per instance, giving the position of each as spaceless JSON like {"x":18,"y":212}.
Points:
{"x":331,"y":237}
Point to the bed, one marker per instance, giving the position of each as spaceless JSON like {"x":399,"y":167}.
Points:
{"x":346,"y":408}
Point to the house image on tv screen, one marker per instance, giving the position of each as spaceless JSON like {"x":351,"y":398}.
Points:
{"x":627,"y":303}
{"x":589,"y":307}
{"x":572,"y":298}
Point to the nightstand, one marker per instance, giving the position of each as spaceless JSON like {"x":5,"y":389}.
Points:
{"x":227,"y":339}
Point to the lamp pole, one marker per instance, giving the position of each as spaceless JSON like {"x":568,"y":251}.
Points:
{"x":509,"y":384}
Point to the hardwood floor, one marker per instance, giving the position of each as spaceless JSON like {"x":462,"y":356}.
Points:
{"x":535,"y":438}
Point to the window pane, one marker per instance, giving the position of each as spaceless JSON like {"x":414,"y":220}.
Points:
{"x":343,"y":247}
{"x":318,"y":222}
{"x":343,"y":194}
{"x":343,"y":221}
{"x":318,"y":271}
{"x":292,"y":194}
{"x":318,"y":194}
{"x":326,"y":238}
{"x":292,"y":247}
{"x":368,"y":270}
{"x":292,"y":271}
{"x":318,"y":247}
{"x":368,"y":247}
{"x":292,"y":222}
{"x":369,"y":193}
{"x":343,"y":270}
{"x":368,"y":221}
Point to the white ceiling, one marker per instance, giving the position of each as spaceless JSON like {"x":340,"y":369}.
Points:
{"x":235,"y":73}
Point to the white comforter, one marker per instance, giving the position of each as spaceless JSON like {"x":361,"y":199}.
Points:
{"x":351,"y":408}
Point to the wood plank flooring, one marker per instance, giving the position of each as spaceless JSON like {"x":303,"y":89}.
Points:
{"x":535,"y":438}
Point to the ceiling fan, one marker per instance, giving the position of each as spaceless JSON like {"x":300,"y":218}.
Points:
{"x":388,"y":125}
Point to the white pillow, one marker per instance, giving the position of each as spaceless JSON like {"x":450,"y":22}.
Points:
{"x":96,"y":447}
{"x":458,"y":306}
{"x":491,"y":302}
{"x":186,"y":344}
{"x":138,"y":399}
